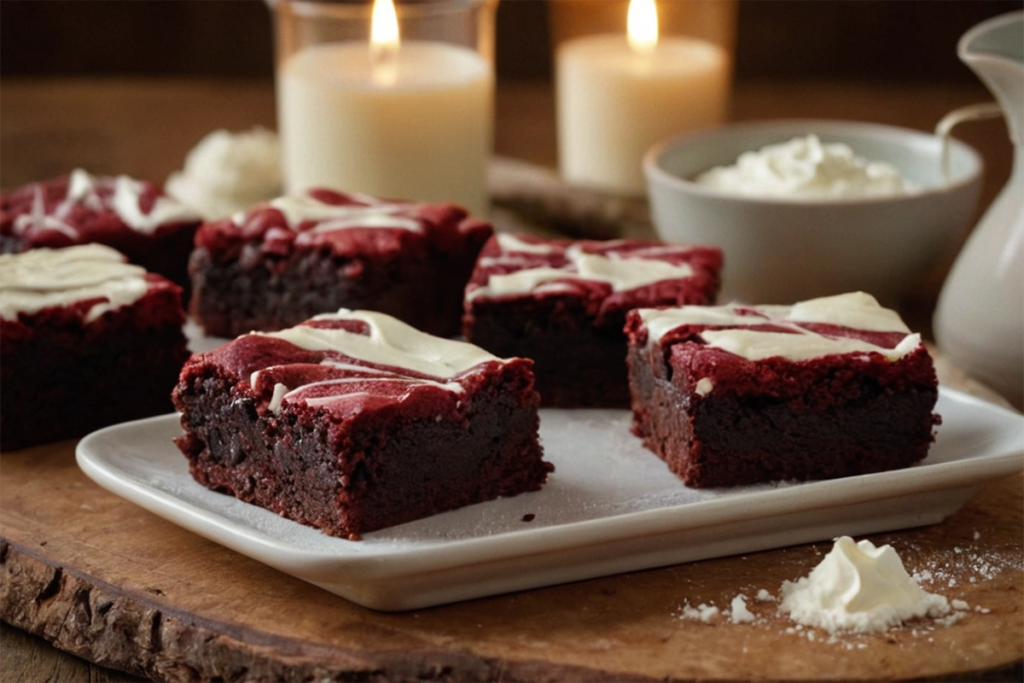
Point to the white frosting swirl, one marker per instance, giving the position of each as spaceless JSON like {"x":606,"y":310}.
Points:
{"x":860,"y":588}
{"x":46,"y":278}
{"x":125,"y":202}
{"x":390,"y":343}
{"x":799,"y":347}
{"x":855,"y":310}
{"x":623,"y":273}
{"x":300,"y":208}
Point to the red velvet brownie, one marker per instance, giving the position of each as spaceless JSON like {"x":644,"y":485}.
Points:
{"x":86,"y":341}
{"x":294,"y":257}
{"x":563,"y":304}
{"x":354,"y":421}
{"x":827,"y":388}
{"x":133,"y":216}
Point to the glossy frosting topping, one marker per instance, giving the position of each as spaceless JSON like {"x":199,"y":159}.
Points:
{"x":46,"y":278}
{"x":122,"y":195}
{"x":388,"y":342}
{"x":758,"y":345}
{"x":366,"y":354}
{"x":362,"y":212}
{"x":524,"y":266}
{"x":859,"y":587}
{"x":792,"y":336}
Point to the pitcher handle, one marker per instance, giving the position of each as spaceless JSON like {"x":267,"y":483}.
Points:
{"x":972,"y":112}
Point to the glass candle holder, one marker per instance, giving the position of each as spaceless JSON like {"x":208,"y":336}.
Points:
{"x":392,"y":104}
{"x":629,"y":73}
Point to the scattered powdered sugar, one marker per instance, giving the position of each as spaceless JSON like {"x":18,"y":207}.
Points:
{"x":740,"y":613}
{"x":737,"y":613}
{"x":858,"y":590}
{"x":967,"y":564}
{"x":703,"y":612}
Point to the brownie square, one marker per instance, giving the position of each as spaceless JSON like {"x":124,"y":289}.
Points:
{"x":132,"y":216}
{"x":563,"y":304}
{"x":294,"y":257}
{"x":354,"y":421}
{"x":827,"y":388}
{"x":86,"y":340}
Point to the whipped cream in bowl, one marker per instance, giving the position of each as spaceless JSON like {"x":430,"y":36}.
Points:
{"x":807,"y":168}
{"x":806,"y":208}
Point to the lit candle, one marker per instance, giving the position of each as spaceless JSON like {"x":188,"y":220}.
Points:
{"x":403,"y":120}
{"x":619,"y":94}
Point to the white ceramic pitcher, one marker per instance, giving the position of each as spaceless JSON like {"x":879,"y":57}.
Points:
{"x":979,"y":319}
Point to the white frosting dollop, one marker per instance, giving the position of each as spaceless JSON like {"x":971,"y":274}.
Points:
{"x":855,"y":310}
{"x":860,"y":588}
{"x":46,"y":278}
{"x":806,"y":168}
{"x":229,"y":172}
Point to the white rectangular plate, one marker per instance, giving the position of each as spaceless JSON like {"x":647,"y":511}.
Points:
{"x":610,"y":506}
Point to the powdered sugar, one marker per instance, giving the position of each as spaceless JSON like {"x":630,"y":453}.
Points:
{"x":941,"y":571}
{"x":703,"y":612}
{"x":739,"y":612}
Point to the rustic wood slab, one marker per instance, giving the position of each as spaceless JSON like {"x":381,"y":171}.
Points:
{"x":100,"y":578}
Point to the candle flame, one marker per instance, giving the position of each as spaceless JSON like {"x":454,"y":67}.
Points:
{"x":384,"y":41}
{"x":642,"y":25}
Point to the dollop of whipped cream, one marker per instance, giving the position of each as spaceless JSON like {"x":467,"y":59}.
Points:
{"x":806,"y":168}
{"x":229,"y":172}
{"x":859,"y":588}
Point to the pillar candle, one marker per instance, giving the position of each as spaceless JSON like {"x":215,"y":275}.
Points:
{"x":419,"y":131}
{"x":614,"y":102}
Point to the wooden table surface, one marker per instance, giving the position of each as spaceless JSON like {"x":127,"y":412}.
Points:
{"x":144,"y":128}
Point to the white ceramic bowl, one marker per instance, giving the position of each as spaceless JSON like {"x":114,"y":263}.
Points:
{"x":787,"y":250}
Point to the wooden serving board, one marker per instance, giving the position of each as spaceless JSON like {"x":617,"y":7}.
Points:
{"x":100,"y":578}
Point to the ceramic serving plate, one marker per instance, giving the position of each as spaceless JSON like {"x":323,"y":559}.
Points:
{"x":610,"y":507}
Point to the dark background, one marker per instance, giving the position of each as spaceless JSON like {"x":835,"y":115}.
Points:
{"x":862,"y":40}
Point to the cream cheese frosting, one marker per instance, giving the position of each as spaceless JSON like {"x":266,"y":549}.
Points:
{"x":44,"y":278}
{"x":859,"y":587}
{"x":390,"y":343}
{"x":622,"y":273}
{"x":854,"y":310}
{"x":125,"y":202}
{"x":373,"y":213}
